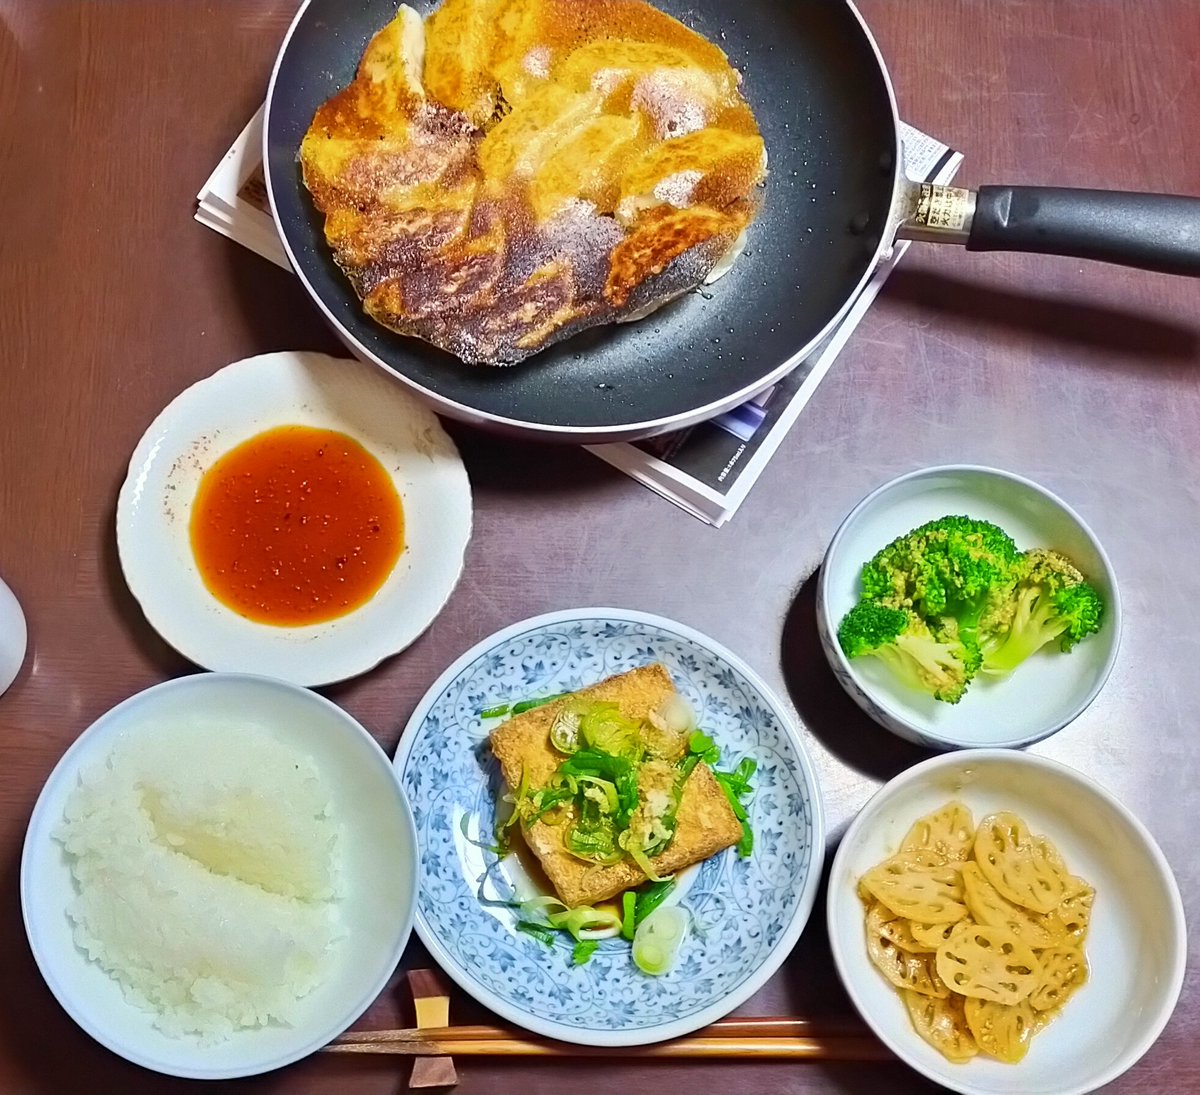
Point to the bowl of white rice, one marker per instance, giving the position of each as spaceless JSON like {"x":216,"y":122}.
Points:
{"x":219,"y":876}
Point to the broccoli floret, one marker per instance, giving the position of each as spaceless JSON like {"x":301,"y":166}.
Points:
{"x":902,"y":641}
{"x":945,"y":629}
{"x":950,"y":572}
{"x":1050,"y":600}
{"x":1036,"y":567}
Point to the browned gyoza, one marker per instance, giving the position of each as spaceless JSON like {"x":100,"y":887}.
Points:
{"x":510,"y":172}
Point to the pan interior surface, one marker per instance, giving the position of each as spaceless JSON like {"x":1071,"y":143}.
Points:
{"x":824,"y":109}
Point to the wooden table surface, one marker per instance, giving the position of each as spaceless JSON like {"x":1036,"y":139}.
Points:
{"x":1086,"y":378}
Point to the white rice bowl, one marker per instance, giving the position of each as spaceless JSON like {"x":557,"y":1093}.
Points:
{"x":205,"y":868}
{"x":208,"y":942}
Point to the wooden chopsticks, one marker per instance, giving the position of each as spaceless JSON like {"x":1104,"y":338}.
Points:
{"x":765,"y":1038}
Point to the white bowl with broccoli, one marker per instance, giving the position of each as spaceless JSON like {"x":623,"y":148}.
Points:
{"x":965,"y":607}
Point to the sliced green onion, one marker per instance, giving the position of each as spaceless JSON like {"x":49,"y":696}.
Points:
{"x":564,"y":730}
{"x":592,"y":837}
{"x":540,"y":904}
{"x":539,"y":931}
{"x":518,"y":708}
{"x":736,"y":785}
{"x":658,"y":938}
{"x":651,"y":897}
{"x":739,"y":811}
{"x":609,"y":789}
{"x":617,"y":770}
{"x":604,"y":729}
{"x":674,"y":714}
{"x":583,"y":952}
{"x":545,"y":800}
{"x":738,"y":781}
{"x":529,"y":705}
{"x":635,"y":852}
{"x":464,"y":826}
{"x":596,"y":856}
{"x":628,"y":795}
{"x":517,"y":798}
{"x":745,"y":769}
{"x":629,"y":901}
{"x":585,"y":922}
{"x":704,"y":747}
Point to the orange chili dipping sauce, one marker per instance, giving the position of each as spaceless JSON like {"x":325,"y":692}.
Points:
{"x":296,"y":526}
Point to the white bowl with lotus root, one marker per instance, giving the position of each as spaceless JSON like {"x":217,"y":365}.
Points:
{"x":1034,"y":923}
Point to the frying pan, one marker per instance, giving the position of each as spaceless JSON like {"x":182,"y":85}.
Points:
{"x":836,"y":201}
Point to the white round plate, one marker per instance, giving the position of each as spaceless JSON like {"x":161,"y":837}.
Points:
{"x":1043,"y":694}
{"x":378,"y":877}
{"x":1136,"y":945}
{"x":237,"y":402}
{"x":749,"y":912}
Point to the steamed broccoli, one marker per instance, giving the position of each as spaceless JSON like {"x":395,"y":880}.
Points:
{"x":950,"y":572}
{"x":1050,"y":600}
{"x":900,"y":638}
{"x":955,"y":596}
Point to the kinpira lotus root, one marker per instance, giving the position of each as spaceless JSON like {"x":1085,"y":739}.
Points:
{"x":981,"y":929}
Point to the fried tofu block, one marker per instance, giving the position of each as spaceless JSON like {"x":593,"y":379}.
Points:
{"x":706,"y":823}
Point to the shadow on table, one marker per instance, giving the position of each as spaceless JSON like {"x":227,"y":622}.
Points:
{"x":1055,"y":319}
{"x":825,"y":709}
{"x":274,"y":307}
{"x":503,"y":466}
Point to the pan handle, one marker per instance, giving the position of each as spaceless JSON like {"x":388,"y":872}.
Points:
{"x":1150,"y":231}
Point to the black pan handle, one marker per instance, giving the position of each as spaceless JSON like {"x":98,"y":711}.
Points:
{"x":1150,"y":231}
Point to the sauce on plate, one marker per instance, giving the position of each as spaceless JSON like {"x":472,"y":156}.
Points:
{"x":296,"y":526}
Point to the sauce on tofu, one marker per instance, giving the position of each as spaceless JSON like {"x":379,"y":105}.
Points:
{"x":296,"y":526}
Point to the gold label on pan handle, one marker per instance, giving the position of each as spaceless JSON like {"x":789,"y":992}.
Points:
{"x":943,"y":208}
{"x":936,"y":214}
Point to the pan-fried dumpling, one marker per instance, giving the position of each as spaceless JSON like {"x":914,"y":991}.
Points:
{"x":509,"y":172}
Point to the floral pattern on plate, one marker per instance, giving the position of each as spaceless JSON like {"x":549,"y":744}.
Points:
{"x":747,"y":913}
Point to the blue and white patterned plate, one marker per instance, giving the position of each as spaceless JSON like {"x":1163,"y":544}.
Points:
{"x":748,"y":913}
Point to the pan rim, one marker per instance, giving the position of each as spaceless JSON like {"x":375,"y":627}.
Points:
{"x":580,"y":434}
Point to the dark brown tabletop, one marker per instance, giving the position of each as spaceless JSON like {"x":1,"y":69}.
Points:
{"x":1085,"y":378}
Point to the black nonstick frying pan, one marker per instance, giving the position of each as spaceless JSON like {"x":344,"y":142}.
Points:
{"x":836,"y":201}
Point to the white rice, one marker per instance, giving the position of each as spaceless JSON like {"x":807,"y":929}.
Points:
{"x":206,"y":867}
